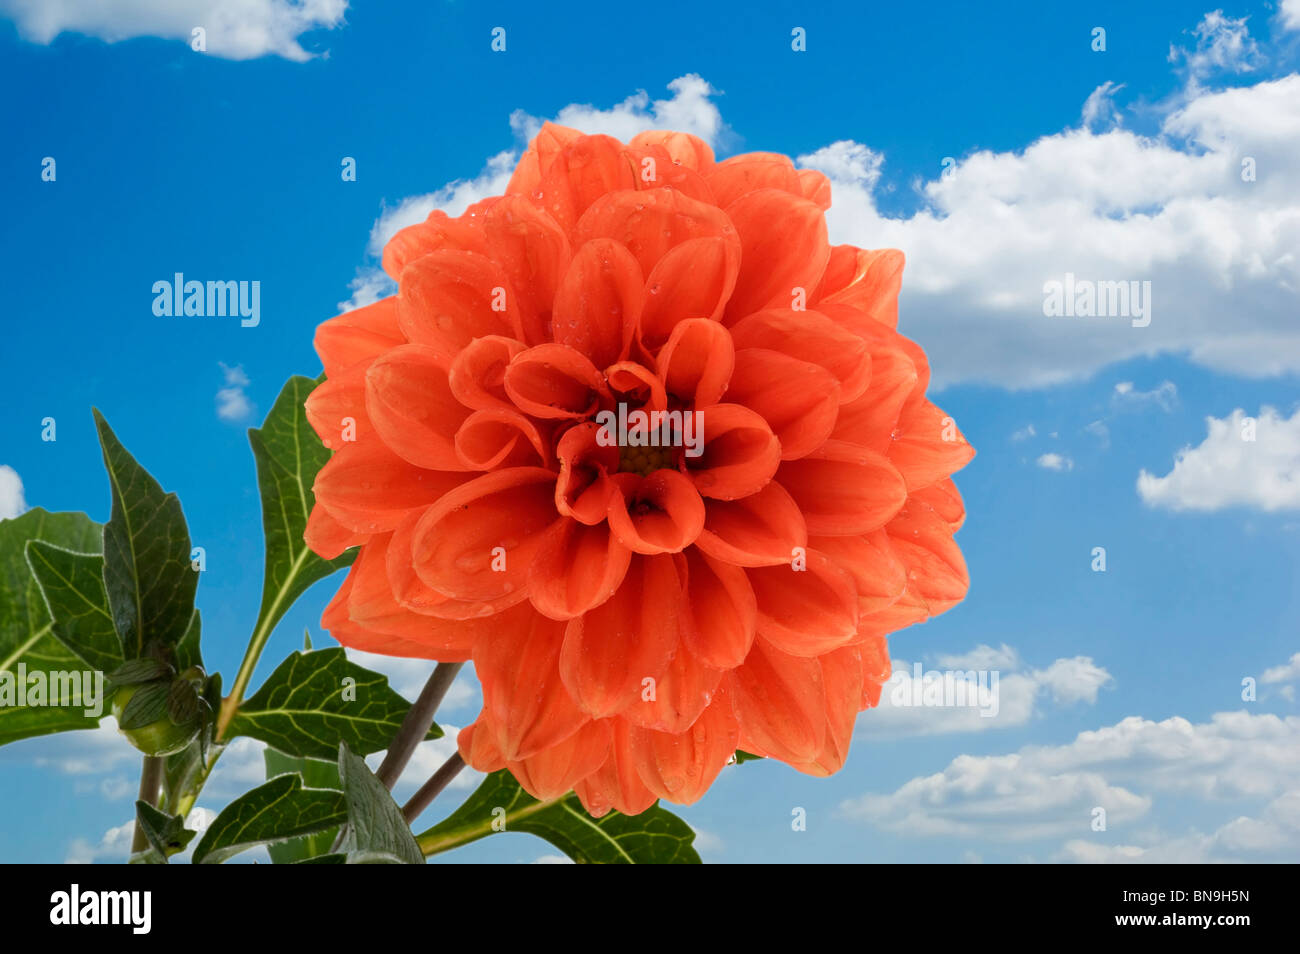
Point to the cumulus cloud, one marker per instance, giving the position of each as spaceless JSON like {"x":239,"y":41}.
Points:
{"x":1289,"y":14}
{"x":1057,"y":462}
{"x":1229,"y":469}
{"x":233,"y":404}
{"x":237,"y":31}
{"x":979,"y":700}
{"x":1051,"y":791}
{"x":1222,"y":254}
{"x":12,"y":503}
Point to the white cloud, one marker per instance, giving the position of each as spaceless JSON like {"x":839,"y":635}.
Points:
{"x":1164,"y":396}
{"x":408,"y":676}
{"x":1227,"y":470}
{"x":1024,"y":433}
{"x":12,"y":503}
{"x":114,"y":845}
{"x":1010,"y":700}
{"x":690,"y":109}
{"x":1289,"y":13}
{"x":1287,"y":672}
{"x":232,"y":402}
{"x":238,"y":30}
{"x":1222,"y":254}
{"x":1053,"y":461}
{"x":1099,"y":107}
{"x":1047,"y":791}
{"x":1223,"y":44}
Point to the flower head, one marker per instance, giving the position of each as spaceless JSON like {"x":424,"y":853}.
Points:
{"x":638,"y":441}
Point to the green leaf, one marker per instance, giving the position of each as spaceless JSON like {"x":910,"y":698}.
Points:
{"x":316,"y":773}
{"x":167,"y":834}
{"x":187,"y":650}
{"x":73,"y":587}
{"x":742,"y":757}
{"x":375,"y":823}
{"x":147,"y":572}
{"x":656,"y":836}
{"x":146,"y":706}
{"x":27,"y":641}
{"x":283,"y":808}
{"x":315,"y":700}
{"x":288,"y":455}
{"x":354,"y":858}
{"x":136,"y":672}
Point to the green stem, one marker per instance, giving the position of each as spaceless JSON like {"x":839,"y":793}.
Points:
{"x":433,"y":842}
{"x":151,"y":776}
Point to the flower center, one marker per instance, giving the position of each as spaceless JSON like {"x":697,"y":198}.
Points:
{"x":643,"y":460}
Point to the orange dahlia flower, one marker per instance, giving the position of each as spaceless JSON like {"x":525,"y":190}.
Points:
{"x":637,"y":612}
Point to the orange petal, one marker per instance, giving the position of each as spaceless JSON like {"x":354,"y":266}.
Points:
{"x":478,"y":748}
{"x":806,"y":612}
{"x":810,"y":336}
{"x":373,"y":607}
{"x":449,"y":298}
{"x":843,"y":681}
{"x":577,"y":567}
{"x":478,"y":373}
{"x":936,"y":570}
{"x":358,"y":335}
{"x":844,"y":489}
{"x":616,"y":784}
{"x":336,"y":408}
{"x":697,"y":362}
{"x":408,"y":589}
{"x":533,"y":251}
{"x":681,"y":766}
{"x":691,"y":151}
{"x":659,"y":513}
{"x":555,"y":381}
{"x":780,"y":703}
{"x":722,"y":611}
{"x":878,"y":574}
{"x":551,"y":773}
{"x":798,"y":400}
{"x":870,"y":420}
{"x":413,"y":408}
{"x":326,"y":537}
{"x":652,"y":222}
{"x":743,"y":174}
{"x":585,"y":170}
{"x":739,"y":456}
{"x":498,"y":437}
{"x":679,"y":696}
{"x":609,"y":651}
{"x":927,"y":446}
{"x":369,"y":489}
{"x":762,"y":529}
{"x":634,"y":384}
{"x":691,"y":280}
{"x":478,"y":541}
{"x":438,"y":233}
{"x":815,"y":187}
{"x":523,"y":697}
{"x":546,"y":145}
{"x":598,"y":304}
{"x":336,"y":622}
{"x":783,"y":249}
{"x":866,"y":280}
{"x":583,"y":489}
{"x":946,"y":500}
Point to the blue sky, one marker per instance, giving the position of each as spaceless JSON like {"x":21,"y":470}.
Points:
{"x":1120,"y":689}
